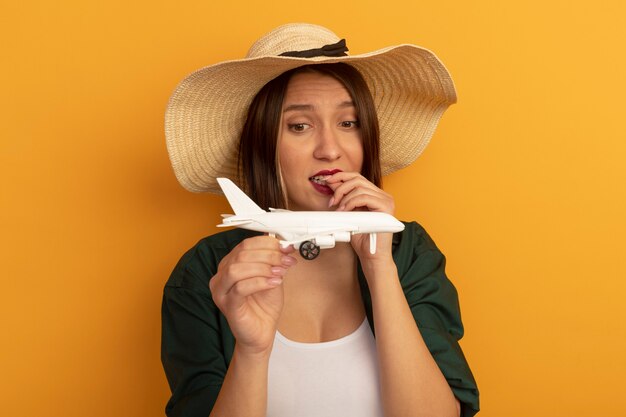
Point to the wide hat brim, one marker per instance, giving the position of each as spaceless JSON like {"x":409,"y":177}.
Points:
{"x":410,"y":86}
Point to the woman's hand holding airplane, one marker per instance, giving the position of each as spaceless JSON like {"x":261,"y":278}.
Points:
{"x":247,"y":290}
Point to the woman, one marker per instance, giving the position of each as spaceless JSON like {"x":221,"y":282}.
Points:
{"x":250,"y":329}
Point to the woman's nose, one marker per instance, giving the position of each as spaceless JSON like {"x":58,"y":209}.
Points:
{"x":327,"y":147}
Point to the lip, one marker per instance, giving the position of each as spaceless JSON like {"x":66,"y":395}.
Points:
{"x":323,"y":189}
{"x":326,"y":172}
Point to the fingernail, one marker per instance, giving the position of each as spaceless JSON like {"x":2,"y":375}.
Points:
{"x":277,"y":270}
{"x":341,"y":207}
{"x":275,"y":281}
{"x":288,"y":260}
{"x":331,"y":202}
{"x":287,"y":249}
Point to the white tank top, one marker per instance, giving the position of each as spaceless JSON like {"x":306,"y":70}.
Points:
{"x":336,"y":378}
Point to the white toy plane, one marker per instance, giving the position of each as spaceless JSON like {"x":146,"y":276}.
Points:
{"x":309,"y":230}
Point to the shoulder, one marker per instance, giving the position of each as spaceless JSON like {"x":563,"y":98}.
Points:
{"x":416,"y":255}
{"x":413,"y":240}
{"x":199,"y":264}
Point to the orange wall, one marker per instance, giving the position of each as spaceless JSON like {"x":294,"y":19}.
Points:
{"x":522,"y":187}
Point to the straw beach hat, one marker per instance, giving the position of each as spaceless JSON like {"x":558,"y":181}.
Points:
{"x":205,"y":115}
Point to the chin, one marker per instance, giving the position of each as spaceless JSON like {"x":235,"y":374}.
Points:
{"x":310,"y":206}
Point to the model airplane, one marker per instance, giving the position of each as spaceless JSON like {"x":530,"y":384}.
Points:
{"x":308,"y":231}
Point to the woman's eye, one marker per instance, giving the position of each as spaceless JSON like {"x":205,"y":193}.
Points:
{"x":349,"y":124}
{"x":298,"y":127}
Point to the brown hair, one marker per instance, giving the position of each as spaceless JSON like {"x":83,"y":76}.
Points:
{"x":258,"y":162}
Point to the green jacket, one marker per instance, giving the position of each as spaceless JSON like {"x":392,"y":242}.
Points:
{"x":197,"y":344}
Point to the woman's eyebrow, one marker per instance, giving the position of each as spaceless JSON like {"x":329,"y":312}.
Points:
{"x":310,"y":107}
{"x":296,"y":107}
{"x":347,"y":103}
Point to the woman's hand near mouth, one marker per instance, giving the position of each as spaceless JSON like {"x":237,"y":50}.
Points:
{"x":353,"y":192}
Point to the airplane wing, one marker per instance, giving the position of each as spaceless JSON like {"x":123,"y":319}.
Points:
{"x":234,"y":223}
{"x":230,"y":220}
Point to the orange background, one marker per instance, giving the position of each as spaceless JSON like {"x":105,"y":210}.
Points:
{"x":522,"y":187}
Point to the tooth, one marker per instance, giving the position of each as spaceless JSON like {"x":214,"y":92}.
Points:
{"x":320,"y":179}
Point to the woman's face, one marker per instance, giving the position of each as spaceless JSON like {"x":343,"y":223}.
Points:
{"x":319,"y":135}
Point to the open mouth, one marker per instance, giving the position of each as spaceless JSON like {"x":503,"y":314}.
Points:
{"x":322,"y":176}
{"x":319,"y":179}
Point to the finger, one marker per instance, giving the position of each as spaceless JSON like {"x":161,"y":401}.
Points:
{"x":372,"y":203}
{"x":251,"y":286}
{"x":340,"y":189}
{"x":352,"y":194}
{"x":381,"y":201}
{"x":267,"y":256}
{"x":350,"y":180}
{"x":231,"y":274}
{"x":236,"y":297}
{"x":287,"y":249}
{"x":342,"y":176}
{"x":355,"y":185}
{"x":337,"y":180}
{"x":259,"y":242}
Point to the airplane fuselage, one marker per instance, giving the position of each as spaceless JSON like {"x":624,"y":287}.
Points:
{"x":284,"y":222}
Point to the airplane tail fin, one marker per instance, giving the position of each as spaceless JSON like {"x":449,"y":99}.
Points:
{"x":238,"y":200}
